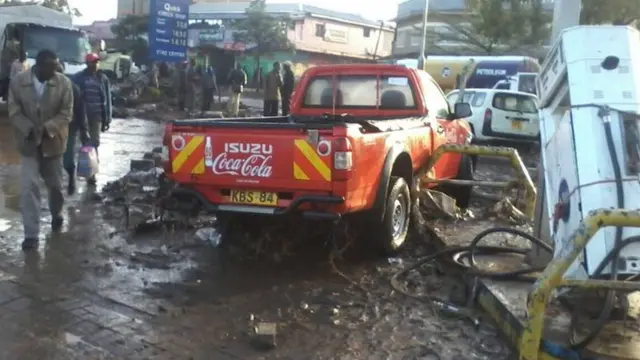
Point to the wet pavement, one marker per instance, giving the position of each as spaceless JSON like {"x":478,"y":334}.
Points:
{"x":101,"y":291}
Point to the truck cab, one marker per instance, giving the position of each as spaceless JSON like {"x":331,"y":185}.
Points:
{"x":37,"y":28}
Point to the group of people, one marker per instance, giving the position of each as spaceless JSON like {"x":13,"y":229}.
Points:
{"x":48,"y":110}
{"x":196,"y":87}
{"x":278,"y":88}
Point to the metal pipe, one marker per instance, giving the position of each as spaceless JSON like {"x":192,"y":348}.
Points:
{"x":498,"y":184}
{"x":423,"y":47}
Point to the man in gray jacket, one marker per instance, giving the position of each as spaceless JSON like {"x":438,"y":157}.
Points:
{"x":40,"y":110}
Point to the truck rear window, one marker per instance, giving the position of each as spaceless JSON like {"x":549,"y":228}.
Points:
{"x":515,"y":102}
{"x":361,"y":91}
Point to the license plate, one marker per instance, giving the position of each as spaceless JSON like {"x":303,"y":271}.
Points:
{"x":254,"y":198}
{"x":516,"y":125}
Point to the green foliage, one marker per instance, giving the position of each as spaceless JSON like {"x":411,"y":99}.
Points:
{"x":497,"y":26}
{"x":617,"y":12}
{"x":268,"y":33}
{"x":61,"y":5}
{"x":130,"y":27}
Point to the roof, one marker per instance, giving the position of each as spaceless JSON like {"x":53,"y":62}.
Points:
{"x":237,"y":10}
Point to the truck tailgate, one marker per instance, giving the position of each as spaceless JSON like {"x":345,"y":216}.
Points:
{"x":267,"y":159}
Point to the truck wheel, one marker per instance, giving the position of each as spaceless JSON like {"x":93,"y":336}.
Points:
{"x":462,"y":194}
{"x":391,"y":234}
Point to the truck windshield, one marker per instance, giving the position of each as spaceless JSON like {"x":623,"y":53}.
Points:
{"x":361,"y":92}
{"x":70,"y":45}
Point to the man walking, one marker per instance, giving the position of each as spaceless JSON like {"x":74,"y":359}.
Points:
{"x":272,"y":89}
{"x":40,"y":110}
{"x":288,"y":83}
{"x":209,"y":88}
{"x":78,"y":126}
{"x":193,"y":87}
{"x":237,"y":82}
{"x":96,"y":96}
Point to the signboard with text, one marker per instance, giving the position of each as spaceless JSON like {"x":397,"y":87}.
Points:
{"x":168,"y":30}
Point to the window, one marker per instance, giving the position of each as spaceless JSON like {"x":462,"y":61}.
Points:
{"x":515,"y":102}
{"x":434,"y":98}
{"x":437,"y":104}
{"x":366,"y":32}
{"x":292,"y":25}
{"x":474,"y":98}
{"x":355,"y":91}
{"x":70,"y":45}
{"x":527,"y":83}
{"x":320,"y":30}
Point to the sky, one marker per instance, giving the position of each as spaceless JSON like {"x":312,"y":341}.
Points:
{"x":372,"y":9}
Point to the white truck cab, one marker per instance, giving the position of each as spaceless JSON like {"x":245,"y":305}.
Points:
{"x":40,"y":28}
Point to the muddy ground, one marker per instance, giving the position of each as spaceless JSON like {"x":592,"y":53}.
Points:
{"x":105,"y":290}
{"x":324,"y":306}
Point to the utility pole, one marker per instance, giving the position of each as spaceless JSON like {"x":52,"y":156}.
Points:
{"x":422,"y":59}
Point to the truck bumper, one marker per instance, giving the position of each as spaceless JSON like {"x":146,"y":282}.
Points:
{"x":312,"y":201}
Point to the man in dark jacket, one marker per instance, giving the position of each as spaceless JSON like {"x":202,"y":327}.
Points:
{"x":237,"y":82}
{"x":288,"y":83}
{"x":78,"y":126}
{"x":96,"y":96}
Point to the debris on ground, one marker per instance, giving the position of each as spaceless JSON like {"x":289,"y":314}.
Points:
{"x":350,"y":305}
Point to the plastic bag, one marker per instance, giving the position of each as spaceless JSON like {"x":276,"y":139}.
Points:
{"x":87,"y":162}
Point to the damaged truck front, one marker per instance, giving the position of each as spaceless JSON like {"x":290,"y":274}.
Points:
{"x":355,"y":141}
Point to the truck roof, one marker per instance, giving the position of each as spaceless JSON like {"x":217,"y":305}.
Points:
{"x":33,"y":14}
{"x":359,"y":67}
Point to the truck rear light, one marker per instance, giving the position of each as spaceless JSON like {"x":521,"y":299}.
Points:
{"x":342,"y":159}
{"x":488,"y":116}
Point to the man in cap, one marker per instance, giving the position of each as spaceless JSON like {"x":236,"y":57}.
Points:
{"x":96,"y":95}
{"x":40,"y":110}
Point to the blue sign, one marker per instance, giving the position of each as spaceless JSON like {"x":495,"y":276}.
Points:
{"x":168,"y":30}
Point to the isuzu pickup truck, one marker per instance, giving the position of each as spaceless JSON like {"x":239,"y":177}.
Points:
{"x":356,"y":138}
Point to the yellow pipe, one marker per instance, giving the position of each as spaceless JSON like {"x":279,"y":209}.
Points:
{"x":551,"y":278}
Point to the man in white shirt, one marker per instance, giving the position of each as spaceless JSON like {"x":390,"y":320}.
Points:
{"x":40,"y":110}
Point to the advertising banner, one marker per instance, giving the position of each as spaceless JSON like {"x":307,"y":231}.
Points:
{"x":168,"y":30}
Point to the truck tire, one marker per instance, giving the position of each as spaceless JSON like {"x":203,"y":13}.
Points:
{"x":391,"y":234}
{"x":462,"y":194}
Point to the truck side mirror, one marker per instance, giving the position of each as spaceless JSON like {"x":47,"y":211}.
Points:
{"x":461,"y":110}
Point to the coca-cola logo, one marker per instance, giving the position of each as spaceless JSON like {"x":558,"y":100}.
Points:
{"x":234,"y":160}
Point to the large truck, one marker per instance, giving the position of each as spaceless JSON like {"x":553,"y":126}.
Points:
{"x":478,"y":71}
{"x":37,"y":28}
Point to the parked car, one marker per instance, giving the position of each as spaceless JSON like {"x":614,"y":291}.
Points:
{"x":500,"y":114}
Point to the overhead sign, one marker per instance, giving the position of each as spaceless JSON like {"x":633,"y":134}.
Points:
{"x":168,"y":30}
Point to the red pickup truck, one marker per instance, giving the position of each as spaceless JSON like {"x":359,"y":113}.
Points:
{"x":355,"y":139}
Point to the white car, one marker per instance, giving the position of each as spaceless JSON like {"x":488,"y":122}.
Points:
{"x":500,"y":114}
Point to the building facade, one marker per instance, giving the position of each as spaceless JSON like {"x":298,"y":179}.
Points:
{"x":320,"y":36}
{"x":441,"y":13}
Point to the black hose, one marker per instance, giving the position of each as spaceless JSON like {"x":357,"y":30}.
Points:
{"x":613,"y":256}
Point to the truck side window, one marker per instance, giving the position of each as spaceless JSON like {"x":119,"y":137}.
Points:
{"x":437,"y":104}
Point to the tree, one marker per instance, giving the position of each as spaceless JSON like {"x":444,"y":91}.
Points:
{"x":130,"y":27}
{"x":61,"y":5}
{"x":616,"y":12}
{"x":494,"y":26}
{"x":265,"y":32}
